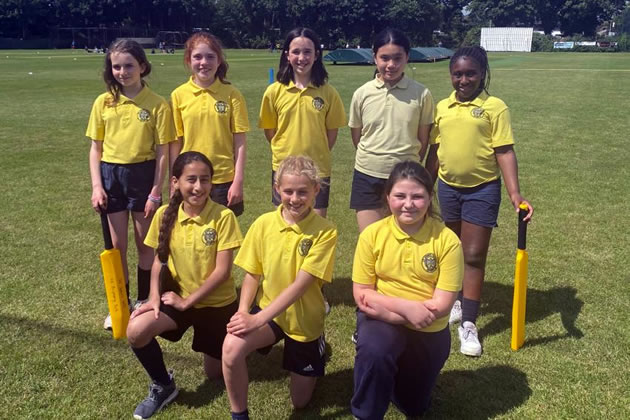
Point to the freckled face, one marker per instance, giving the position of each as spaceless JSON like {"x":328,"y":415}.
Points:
{"x":204,"y":62}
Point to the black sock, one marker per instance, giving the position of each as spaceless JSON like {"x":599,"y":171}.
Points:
{"x":144,"y":283}
{"x":243,"y":415}
{"x":470,"y":310}
{"x":150,"y":356}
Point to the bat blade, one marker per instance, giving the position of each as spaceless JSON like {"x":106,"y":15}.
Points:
{"x":116,"y":291}
{"x":519,"y":302}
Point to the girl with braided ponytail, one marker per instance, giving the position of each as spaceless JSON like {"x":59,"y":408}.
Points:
{"x":195,"y":239}
{"x":472,"y":147}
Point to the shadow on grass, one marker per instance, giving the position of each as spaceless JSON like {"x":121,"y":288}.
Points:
{"x":497,"y":299}
{"x":331,"y":399}
{"x":339,"y":292}
{"x":464,"y":393}
{"x":203,"y":395}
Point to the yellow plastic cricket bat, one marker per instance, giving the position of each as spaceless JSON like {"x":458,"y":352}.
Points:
{"x":115,"y":287}
{"x":520,"y":283}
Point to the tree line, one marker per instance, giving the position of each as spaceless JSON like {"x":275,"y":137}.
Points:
{"x":262,"y":23}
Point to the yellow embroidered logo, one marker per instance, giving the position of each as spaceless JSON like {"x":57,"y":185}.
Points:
{"x":304,"y":247}
{"x":221,"y":107}
{"x":429,"y":262}
{"x":318,"y":103}
{"x":209,"y":236}
{"x":144,"y":115}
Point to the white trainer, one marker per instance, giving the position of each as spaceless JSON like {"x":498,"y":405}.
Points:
{"x":456,"y":313}
{"x":470,"y":345}
{"x":107,"y":324}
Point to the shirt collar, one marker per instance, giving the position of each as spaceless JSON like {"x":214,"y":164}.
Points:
{"x":292,"y":85}
{"x":136,"y":99}
{"x":403,"y":83}
{"x":196,"y":89}
{"x":419,"y":236}
{"x":182,"y":217}
{"x":296,"y":227}
{"x":478,"y":101}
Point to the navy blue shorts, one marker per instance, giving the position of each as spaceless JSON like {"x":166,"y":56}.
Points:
{"x":477,"y":205}
{"x":306,"y":359}
{"x":368,"y":192}
{"x":219,"y":194}
{"x":127,"y":185}
{"x":321,"y":201}
{"x":209,"y":326}
{"x":395,"y":364}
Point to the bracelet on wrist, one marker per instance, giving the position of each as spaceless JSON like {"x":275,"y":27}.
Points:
{"x":155,"y":199}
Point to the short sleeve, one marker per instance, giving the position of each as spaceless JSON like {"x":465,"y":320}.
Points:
{"x":451,"y":264}
{"x":268,"y":118}
{"x":321,"y":257}
{"x":177,"y":115}
{"x":96,"y":124}
{"x":336,"y":116}
{"x":363,"y":267}
{"x":228,"y":231}
{"x":164,"y":129}
{"x":239,"y":122}
{"x":427,"y":114}
{"x":502,"y":129}
{"x":355,"y":120}
{"x":152,"y":238}
{"x":249,"y":257}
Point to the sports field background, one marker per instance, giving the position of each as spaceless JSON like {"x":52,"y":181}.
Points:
{"x":570,"y":117}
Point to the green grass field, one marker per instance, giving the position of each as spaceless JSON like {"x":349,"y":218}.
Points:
{"x":571,"y":124}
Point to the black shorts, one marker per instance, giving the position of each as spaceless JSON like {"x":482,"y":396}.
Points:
{"x":219,"y":194}
{"x":209,"y":325}
{"x":368,"y":192}
{"x":321,"y":201}
{"x":304,"y":358}
{"x":127,"y":185}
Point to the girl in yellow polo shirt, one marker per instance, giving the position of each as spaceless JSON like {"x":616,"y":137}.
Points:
{"x":287,"y":255}
{"x":406,"y":274}
{"x":191,"y":279}
{"x":301,"y":113}
{"x":390,"y":121}
{"x":211,"y":117}
{"x":473,"y":147}
{"x":129,"y":127}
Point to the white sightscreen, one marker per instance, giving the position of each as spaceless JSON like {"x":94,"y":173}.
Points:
{"x":507,"y":39}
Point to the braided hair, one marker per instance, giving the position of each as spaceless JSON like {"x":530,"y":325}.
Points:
{"x":170,"y":214}
{"x":479,"y":55}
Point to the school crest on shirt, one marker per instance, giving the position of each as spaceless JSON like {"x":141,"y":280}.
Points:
{"x":318,"y":103}
{"x":477,"y":112}
{"x":221,"y":107}
{"x":209,"y":236}
{"x":429,"y":262}
{"x":304,"y":247}
{"x":144,"y":115}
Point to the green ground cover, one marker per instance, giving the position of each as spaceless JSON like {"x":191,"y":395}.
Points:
{"x":571,"y":124}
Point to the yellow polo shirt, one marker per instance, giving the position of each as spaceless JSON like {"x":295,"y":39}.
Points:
{"x":301,"y":118}
{"x":194,"y":244}
{"x":207,"y":120}
{"x":468,"y":133}
{"x":410,"y":267}
{"x":277,"y":251}
{"x":131,"y":128}
{"x":389,"y":118}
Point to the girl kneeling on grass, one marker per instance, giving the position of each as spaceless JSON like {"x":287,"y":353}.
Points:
{"x":194,"y":240}
{"x":473,"y":146}
{"x":407,"y":271}
{"x":288,"y":254}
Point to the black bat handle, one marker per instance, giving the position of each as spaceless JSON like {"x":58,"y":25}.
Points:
{"x":522,"y":226}
{"x":107,"y":236}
